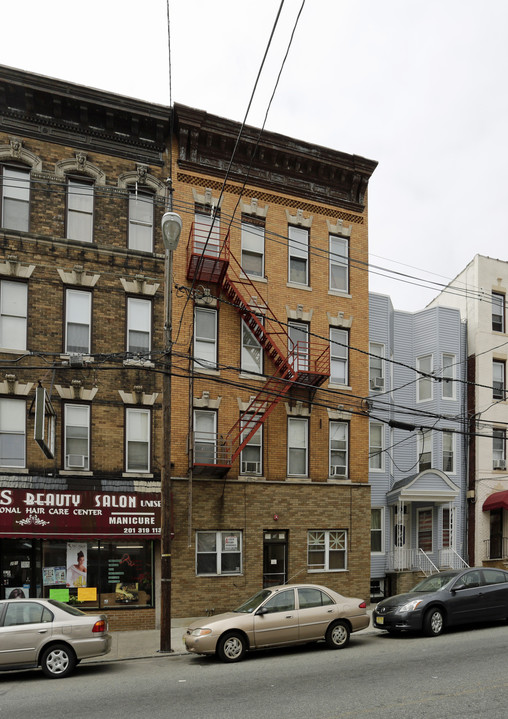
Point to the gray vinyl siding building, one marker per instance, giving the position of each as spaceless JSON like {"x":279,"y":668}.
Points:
{"x":417,"y":457}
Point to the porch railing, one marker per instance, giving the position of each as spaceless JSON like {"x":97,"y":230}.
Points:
{"x":448,"y":557}
{"x":401,"y":560}
{"x":495,"y":548}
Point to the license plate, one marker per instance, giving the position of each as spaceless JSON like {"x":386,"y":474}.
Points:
{"x":380,"y":620}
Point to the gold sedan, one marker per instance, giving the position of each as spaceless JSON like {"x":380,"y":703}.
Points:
{"x":276,"y":617}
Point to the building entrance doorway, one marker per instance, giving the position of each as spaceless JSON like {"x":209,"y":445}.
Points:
{"x":18,"y":568}
{"x":275,"y":558}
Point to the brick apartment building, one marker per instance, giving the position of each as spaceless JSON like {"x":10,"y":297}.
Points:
{"x":270,"y":305}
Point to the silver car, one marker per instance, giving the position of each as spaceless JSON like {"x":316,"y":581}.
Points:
{"x":49,"y":634}
{"x":279,"y":616}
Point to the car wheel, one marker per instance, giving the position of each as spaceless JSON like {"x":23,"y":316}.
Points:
{"x":433,"y":622}
{"x":231,"y":647}
{"x":58,"y":661}
{"x":337,"y":635}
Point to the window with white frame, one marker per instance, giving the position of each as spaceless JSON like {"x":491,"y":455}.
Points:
{"x":13,"y":314}
{"x":299,"y":345}
{"x":251,"y":456}
{"x":15,"y":207}
{"x":376,"y":431}
{"x":12,"y":432}
{"x":138,"y":422}
{"x":424,"y":450}
{"x":339,"y":438}
{"x":252,"y":352}
{"x":448,"y":374}
{"x":424,"y":529}
{"x":80,"y":201}
{"x":498,"y":379}
{"x":448,"y":440}
{"x":298,"y":255}
{"x":327,"y":550}
{"x":377,"y":529}
{"x":253,"y":248}
{"x":424,"y":384}
{"x":76,"y":436}
{"x":339,"y":263}
{"x":207,"y":233}
{"x":298,"y":446}
{"x":205,"y":338}
{"x":78,"y":314}
{"x":376,"y":366}
{"x":498,"y":300}
{"x":205,"y":437}
{"x":339,"y":356}
{"x":139,"y":325}
{"x":498,"y":448}
{"x":448,"y":519}
{"x":140,"y":221}
{"x":218,"y":552}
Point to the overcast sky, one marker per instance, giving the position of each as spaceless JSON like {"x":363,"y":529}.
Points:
{"x":418,"y":85}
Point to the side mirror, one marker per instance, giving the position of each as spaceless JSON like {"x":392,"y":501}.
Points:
{"x":261,"y":611}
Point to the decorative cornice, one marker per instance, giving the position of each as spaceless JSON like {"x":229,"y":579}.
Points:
{"x":79,"y":163}
{"x":144,"y":179}
{"x":11,"y":386}
{"x":298,"y":409}
{"x":206,"y":401}
{"x":76,"y":391}
{"x":15,"y":151}
{"x":299,"y":313}
{"x":339,"y":320}
{"x":137,"y":396}
{"x":78,"y":276}
{"x":139,"y":286}
{"x":272,"y":161}
{"x":339,"y":229}
{"x":14,"y":268}
{"x":299,"y":219}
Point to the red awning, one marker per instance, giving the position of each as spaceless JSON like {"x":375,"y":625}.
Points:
{"x":498,"y":500}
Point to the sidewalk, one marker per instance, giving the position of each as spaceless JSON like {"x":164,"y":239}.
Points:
{"x":146,"y":643}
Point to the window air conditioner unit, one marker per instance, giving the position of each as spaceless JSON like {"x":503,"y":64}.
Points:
{"x":75,"y":461}
{"x":377,"y":383}
{"x":338,"y":470}
{"x":499,"y":464}
{"x":251,"y":467}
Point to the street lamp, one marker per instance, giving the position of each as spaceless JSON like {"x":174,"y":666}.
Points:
{"x":171,"y":229}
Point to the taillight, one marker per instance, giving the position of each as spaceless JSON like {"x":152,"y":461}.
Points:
{"x":99,"y":626}
{"x":362,"y":605}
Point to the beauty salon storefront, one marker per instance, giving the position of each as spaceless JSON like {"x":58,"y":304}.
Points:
{"x":94,"y":549}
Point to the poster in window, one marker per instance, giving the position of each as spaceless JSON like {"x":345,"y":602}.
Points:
{"x":76,"y":564}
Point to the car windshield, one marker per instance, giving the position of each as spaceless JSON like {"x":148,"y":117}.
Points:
{"x":67,"y":608}
{"x":434,"y":583}
{"x":253,"y":602}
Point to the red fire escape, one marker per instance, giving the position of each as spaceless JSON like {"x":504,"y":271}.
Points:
{"x":297,"y":365}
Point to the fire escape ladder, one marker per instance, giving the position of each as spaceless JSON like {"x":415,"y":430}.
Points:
{"x":257,"y":412}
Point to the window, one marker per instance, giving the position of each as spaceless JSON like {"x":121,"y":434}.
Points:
{"x":12,"y":432}
{"x":79,"y":210}
{"x":498,"y":449}
{"x":327,"y":550}
{"x":376,"y":366}
{"x":339,"y":356}
{"x":219,"y":552}
{"x":448,"y":439}
{"x":297,"y":446}
{"x":253,"y":249}
{"x":77,"y":436}
{"x":424,"y":384}
{"x":78,"y":319}
{"x":309,"y":597}
{"x":139,"y":324}
{"x":424,"y":450}
{"x":15,"y":207}
{"x":138,"y":440}
{"x":281,"y":602}
{"x":205,"y":338}
{"x":498,"y":379}
{"x":251,"y":457}
{"x":252,"y":353}
{"x":298,"y":255}
{"x":140,"y":221}
{"x":299,"y":345}
{"x":376,"y":529}
{"x":206,"y":234}
{"x":447,"y":530}
{"x":448,"y":384}
{"x":376,"y":446}
{"x":339,"y":264}
{"x":425,"y":529}
{"x":339,"y":435}
{"x":205,"y":437}
{"x":497,"y":312}
{"x":13,"y":314}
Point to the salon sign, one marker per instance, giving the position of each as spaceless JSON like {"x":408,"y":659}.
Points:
{"x":53,"y":515}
